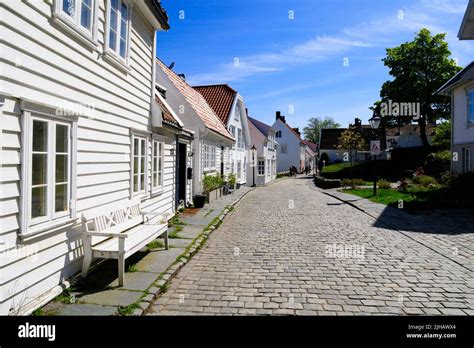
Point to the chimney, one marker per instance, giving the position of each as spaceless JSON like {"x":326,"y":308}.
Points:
{"x":358,"y":125}
{"x":297,"y":130}
{"x":280,"y":117}
{"x":182,"y":76}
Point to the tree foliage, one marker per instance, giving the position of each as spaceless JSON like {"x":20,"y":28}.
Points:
{"x":312,"y":132}
{"x":442,"y":136}
{"x":350,"y":139}
{"x":419,"y":68}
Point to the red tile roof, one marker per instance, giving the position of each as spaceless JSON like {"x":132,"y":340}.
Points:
{"x":197,"y":102}
{"x":311,"y":145}
{"x":220,"y":98}
{"x":167,"y":115}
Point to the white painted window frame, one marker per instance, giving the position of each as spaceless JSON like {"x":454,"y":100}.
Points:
{"x":109,"y":54}
{"x":74,"y":27}
{"x":157,"y":140}
{"x":466,"y":165}
{"x":209,"y":155}
{"x":261,"y":167}
{"x":240,"y":139}
{"x":29,"y":226}
{"x":141,"y":136}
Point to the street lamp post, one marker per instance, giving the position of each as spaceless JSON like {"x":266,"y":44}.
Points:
{"x":253,"y":151}
{"x":374,"y":124}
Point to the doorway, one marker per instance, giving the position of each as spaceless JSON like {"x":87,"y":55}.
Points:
{"x":182,"y":156}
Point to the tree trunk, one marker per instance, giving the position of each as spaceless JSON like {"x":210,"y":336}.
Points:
{"x":424,"y":138}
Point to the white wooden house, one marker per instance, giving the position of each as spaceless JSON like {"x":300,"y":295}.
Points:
{"x":461,"y":90}
{"x":291,"y":147}
{"x":262,"y":136}
{"x":81,"y":127}
{"x":230,"y":107}
{"x":212,"y":141}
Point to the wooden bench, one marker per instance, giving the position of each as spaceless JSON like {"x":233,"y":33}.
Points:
{"x":118,"y":231}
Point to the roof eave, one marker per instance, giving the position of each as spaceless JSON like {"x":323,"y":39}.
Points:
{"x":466,"y":21}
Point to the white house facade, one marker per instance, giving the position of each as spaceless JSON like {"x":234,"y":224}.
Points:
{"x":291,"y":148}
{"x":229,"y":106}
{"x":263,"y":169}
{"x":461,"y":90}
{"x":212,"y":141}
{"x":81,"y":127}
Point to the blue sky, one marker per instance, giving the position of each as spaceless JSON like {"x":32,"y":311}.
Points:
{"x":281,"y":63}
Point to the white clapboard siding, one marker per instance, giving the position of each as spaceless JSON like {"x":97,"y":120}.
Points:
{"x":41,"y":62}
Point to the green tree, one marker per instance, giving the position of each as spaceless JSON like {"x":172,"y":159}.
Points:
{"x":313,"y":131}
{"x":351,"y":140}
{"x":418,"y":69}
{"x":442,"y":136}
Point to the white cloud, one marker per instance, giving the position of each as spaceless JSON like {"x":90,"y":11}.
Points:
{"x":380,"y":32}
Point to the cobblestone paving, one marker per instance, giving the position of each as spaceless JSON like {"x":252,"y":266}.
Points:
{"x":273,"y":256}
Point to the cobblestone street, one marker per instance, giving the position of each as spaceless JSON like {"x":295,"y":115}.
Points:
{"x":279,"y":252}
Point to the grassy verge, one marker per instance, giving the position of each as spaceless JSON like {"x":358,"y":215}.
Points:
{"x":417,"y":198}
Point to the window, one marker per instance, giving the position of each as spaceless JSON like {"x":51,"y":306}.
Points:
{"x":79,"y":17}
{"x":208,"y":156}
{"x":232,"y":131}
{"x":261,"y":167}
{"x":139,"y":164}
{"x":118,"y":28}
{"x":239,"y":169}
{"x":466,"y":159}
{"x":240,"y":139}
{"x":278,"y":134}
{"x":470,"y":109}
{"x":50,"y":159}
{"x":284,"y":148}
{"x":157,"y":161}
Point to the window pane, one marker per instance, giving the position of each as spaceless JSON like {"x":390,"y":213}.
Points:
{"x":39,"y":169}
{"x":69,"y":7}
{"x":143,"y":146}
{"x":124,"y":11}
{"x":38,"y":201}
{"x":142,"y":164}
{"x":471,"y":112}
{"x":155,"y":180}
{"x":135,"y":183}
{"x":135,"y":147}
{"x":123,"y":48}
{"x":61,"y":168}
{"x":115,"y":4}
{"x":40,"y":136}
{"x":135,"y":165}
{"x":61,"y":198}
{"x":142,"y":182}
{"x":86,"y":16}
{"x":61,"y":138}
{"x":112,"y":40}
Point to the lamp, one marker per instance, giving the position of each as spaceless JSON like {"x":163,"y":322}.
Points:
{"x":375,"y":122}
{"x":253,"y":151}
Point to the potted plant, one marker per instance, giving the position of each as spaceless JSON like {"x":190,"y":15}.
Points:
{"x":232,"y":180}
{"x":212,"y":185}
{"x":199,"y":201}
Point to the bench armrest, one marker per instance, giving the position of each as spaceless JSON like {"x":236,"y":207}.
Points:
{"x":106,"y":234}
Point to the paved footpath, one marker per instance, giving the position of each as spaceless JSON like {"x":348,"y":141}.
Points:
{"x":290,"y":249}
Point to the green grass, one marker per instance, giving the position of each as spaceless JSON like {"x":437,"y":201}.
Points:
{"x":157,"y":243}
{"x":176,"y":221}
{"x":132,"y":268}
{"x":38,"y":312}
{"x":174,"y":233}
{"x":127,"y":310}
{"x":417,"y":198}
{"x":335,"y":167}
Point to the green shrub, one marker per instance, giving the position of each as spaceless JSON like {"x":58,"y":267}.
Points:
{"x":282,"y":175}
{"x":425,"y":181}
{"x":438,"y":163}
{"x":212,"y":182}
{"x":232,"y":179}
{"x":383,"y":184}
{"x":353,"y":183}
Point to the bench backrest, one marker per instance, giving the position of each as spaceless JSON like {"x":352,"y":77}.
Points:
{"x":117,"y":217}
